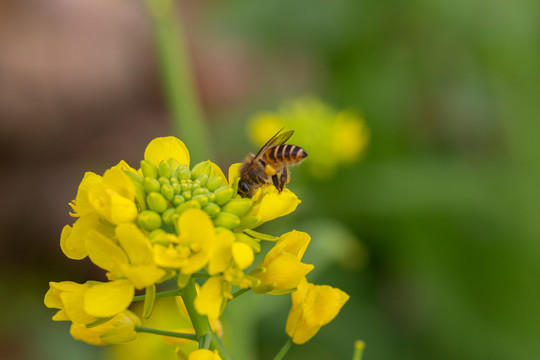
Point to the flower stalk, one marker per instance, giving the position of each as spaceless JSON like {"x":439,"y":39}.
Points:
{"x":281,"y":354}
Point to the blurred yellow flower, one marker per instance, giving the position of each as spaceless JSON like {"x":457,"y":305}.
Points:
{"x":203,"y":354}
{"x":312,"y":307}
{"x":330,"y":137}
{"x":118,"y":330}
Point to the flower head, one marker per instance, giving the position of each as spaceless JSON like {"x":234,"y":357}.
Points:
{"x":313,"y":306}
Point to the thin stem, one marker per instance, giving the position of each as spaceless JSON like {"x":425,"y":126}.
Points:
{"x":240,"y":292}
{"x":200,"y":275}
{"x":200,"y":322}
{"x":166,"y":333}
{"x":176,"y":292}
{"x":284,"y":349}
{"x":358,"y":349}
{"x":177,"y":80}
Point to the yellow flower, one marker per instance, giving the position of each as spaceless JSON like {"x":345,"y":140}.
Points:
{"x":204,"y":354}
{"x":312,"y":307}
{"x":213,"y":296}
{"x":68,"y":297}
{"x":133,"y":258}
{"x":119,"y":329}
{"x":281,"y":270}
{"x":165,"y":148}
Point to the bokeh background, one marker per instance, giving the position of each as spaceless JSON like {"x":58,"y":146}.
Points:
{"x":441,"y":214}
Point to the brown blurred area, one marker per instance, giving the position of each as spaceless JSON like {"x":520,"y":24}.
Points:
{"x":79,"y":90}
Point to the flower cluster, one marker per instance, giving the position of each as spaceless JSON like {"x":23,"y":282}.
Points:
{"x":332,"y":137}
{"x":168,"y":221}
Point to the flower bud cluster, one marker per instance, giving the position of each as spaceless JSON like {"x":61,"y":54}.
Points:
{"x":169,"y":188}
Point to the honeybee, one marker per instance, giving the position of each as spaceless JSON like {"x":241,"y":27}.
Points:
{"x":270,"y":164}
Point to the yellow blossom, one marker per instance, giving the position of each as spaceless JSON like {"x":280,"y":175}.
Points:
{"x":68,"y":298}
{"x":165,"y":148}
{"x":119,"y":329}
{"x":313,"y":306}
{"x":281,"y":270}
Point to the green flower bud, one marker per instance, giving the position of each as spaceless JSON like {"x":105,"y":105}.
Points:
{"x":202,"y":199}
{"x":211,"y":197}
{"x":191,"y":204}
{"x":151,"y":184}
{"x":177,"y":188}
{"x":248,"y":222}
{"x":168,"y":216}
{"x":199,"y":191}
{"x":211,"y":209}
{"x":223,"y":194}
{"x":202,"y":179}
{"x":187,"y":195}
{"x":156,"y":202}
{"x":185,"y":186}
{"x":213,"y":183}
{"x":195,"y":184}
{"x":253,"y":243}
{"x":164,"y":180}
{"x":155,"y":233}
{"x":173,"y":180}
{"x":149,"y":169}
{"x":135,"y":178}
{"x":237,"y":207}
{"x":178,"y":199}
{"x":149,"y":220}
{"x":174,"y":164}
{"x":165,"y":169}
{"x":203,"y":167}
{"x":139,"y":188}
{"x":183,"y":172}
{"x":227,"y":220}
{"x":167,"y":191}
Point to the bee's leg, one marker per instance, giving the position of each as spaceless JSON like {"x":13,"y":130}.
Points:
{"x":275,"y":181}
{"x":284,"y":179}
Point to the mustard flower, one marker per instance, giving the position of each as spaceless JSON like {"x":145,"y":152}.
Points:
{"x":118,"y":330}
{"x":312,"y":307}
{"x":203,"y":354}
{"x":281,"y":270}
{"x":331,"y":137}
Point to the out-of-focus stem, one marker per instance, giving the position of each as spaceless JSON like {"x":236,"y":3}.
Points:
{"x":186,"y":115}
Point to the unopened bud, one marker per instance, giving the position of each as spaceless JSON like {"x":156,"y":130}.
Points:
{"x":203,"y":179}
{"x":163,"y":180}
{"x":178,"y":199}
{"x":183,"y":172}
{"x":191,"y":204}
{"x":253,"y":243}
{"x":211,"y":209}
{"x":213,"y":183}
{"x":165,"y":169}
{"x":151,"y":184}
{"x":199,"y":191}
{"x":226,"y":220}
{"x":149,"y":220}
{"x":223,"y":194}
{"x":168,"y":216}
{"x":202,"y":199}
{"x":167,"y":191}
{"x":203,"y":167}
{"x":174,"y":164}
{"x":237,"y":207}
{"x":156,"y":202}
{"x":150,"y":169}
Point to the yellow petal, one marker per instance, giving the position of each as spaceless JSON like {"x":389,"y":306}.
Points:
{"x":234,"y":172}
{"x":164,"y":148}
{"x":221,"y":256}
{"x":82,"y":204}
{"x":108,"y":299}
{"x":276,"y":204}
{"x":293,"y":242}
{"x":104,"y":252}
{"x":204,"y":354}
{"x":242,"y":254}
{"x":72,"y":240}
{"x":135,"y":244}
{"x":284,"y":273}
{"x":210,"y":298}
{"x":142,"y":275}
{"x":218,"y":171}
{"x":168,"y":256}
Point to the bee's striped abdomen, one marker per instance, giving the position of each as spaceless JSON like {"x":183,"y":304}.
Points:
{"x":285,"y":155}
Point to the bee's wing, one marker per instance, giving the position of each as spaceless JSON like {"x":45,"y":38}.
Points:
{"x":277,"y":139}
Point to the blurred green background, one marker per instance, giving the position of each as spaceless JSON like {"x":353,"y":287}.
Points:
{"x":444,"y":208}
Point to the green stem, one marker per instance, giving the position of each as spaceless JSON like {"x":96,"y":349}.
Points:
{"x":176,"y":77}
{"x":166,"y":333}
{"x":176,"y":292}
{"x":284,"y":350}
{"x":358,"y":350}
{"x":200,"y":322}
{"x":240,"y":292}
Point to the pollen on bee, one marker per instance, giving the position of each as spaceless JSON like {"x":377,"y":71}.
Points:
{"x":269,"y":170}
